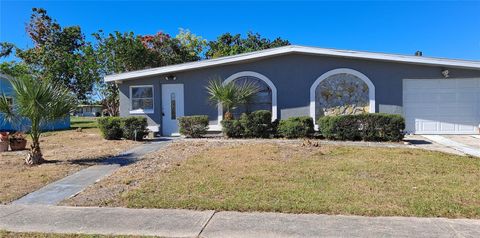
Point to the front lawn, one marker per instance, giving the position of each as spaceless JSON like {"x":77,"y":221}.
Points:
{"x":284,"y":176}
{"x":83,"y":122}
{"x":65,"y":151}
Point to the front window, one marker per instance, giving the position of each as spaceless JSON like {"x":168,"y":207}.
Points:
{"x":142,"y":98}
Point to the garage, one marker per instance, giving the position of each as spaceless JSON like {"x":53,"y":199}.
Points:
{"x":441,"y":106}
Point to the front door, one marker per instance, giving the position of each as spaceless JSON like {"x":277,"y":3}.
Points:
{"x":172,"y":108}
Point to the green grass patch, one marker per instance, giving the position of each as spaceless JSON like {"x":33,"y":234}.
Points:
{"x":83,"y":122}
{"x":331,"y":180}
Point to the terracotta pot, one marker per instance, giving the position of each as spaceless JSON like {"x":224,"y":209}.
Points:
{"x":18,"y":144}
{"x":3,"y":146}
{"x":3,"y":136}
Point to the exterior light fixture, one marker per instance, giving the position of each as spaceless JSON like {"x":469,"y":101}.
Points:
{"x":445,"y":73}
{"x":170,"y":77}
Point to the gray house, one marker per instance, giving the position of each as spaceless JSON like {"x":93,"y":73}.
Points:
{"x":435,"y":95}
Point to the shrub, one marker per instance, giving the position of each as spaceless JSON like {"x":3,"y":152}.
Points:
{"x":296,"y":127}
{"x":367,"y":127}
{"x":134,"y":127}
{"x":193,"y":126}
{"x":110,"y":127}
{"x":257,"y":124}
{"x":232,"y":128}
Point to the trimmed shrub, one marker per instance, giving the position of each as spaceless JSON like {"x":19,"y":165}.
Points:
{"x":232,"y":128}
{"x":110,"y":127}
{"x":193,"y":126}
{"x":134,"y":127}
{"x":257,"y":124}
{"x":296,"y":127}
{"x":367,"y":127}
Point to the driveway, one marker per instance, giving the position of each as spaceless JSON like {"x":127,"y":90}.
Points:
{"x":454,"y":144}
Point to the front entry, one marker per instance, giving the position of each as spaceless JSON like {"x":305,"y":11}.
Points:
{"x":172,"y":108}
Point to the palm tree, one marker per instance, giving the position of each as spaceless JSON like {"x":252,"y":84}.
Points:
{"x":39,"y":101}
{"x":230,"y":95}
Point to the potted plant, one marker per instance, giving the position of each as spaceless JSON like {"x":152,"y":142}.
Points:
{"x":18,"y":141}
{"x":3,"y":141}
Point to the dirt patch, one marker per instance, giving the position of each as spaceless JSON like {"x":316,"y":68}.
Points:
{"x":65,"y":151}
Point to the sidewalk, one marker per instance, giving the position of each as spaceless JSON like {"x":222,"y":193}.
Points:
{"x":186,"y":223}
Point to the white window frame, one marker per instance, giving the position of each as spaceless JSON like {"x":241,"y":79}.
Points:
{"x":142,"y":111}
{"x":363,"y":77}
{"x":253,"y":74}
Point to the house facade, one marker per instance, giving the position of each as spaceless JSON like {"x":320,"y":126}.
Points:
{"x":88,"y":110}
{"x":435,"y":95}
{"x":24,"y":125}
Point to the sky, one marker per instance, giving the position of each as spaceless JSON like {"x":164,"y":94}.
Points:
{"x":449,"y":29}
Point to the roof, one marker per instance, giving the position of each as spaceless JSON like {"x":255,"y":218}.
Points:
{"x":410,"y":59}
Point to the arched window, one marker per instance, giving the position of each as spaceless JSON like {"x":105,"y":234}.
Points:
{"x":266,"y":99}
{"x":341,"y":92}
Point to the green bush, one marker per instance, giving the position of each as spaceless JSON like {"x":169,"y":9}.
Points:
{"x":110,"y":127}
{"x":257,"y":124}
{"x":296,"y":127}
{"x":367,"y":127}
{"x":233,"y":128}
{"x":134,"y":127}
{"x":193,"y":126}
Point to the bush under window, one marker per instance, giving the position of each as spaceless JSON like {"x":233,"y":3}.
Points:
{"x":367,"y":127}
{"x":296,"y":127}
{"x":193,"y":126}
{"x":257,"y":124}
{"x":232,"y":128}
{"x":134,"y":127}
{"x":110,"y":127}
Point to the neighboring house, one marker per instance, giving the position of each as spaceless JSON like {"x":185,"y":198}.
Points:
{"x":435,"y":95}
{"x":88,"y":110}
{"x":24,"y":124}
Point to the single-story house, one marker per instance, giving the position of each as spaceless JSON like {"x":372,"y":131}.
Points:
{"x":24,"y":125}
{"x":435,"y":95}
{"x":88,"y":110}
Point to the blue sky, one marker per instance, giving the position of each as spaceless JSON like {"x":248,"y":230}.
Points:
{"x":438,"y":28}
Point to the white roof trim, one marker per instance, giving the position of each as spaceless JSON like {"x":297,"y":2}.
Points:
{"x":295,"y":49}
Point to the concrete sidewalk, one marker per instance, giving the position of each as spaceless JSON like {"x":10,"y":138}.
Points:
{"x":186,"y":223}
{"x":454,"y":145}
{"x":69,"y":186}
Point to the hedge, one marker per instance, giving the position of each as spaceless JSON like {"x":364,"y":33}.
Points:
{"x":232,"y":128}
{"x":193,"y":126}
{"x":296,"y":127}
{"x":257,"y":124}
{"x":134,"y":127}
{"x":367,"y":127}
{"x":110,"y":127}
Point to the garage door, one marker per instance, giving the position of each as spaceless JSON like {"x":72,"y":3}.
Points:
{"x":441,"y":106}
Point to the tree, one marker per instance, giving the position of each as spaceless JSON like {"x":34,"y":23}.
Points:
{"x":41,"y":102}
{"x":228,"y":44}
{"x":58,"y":54}
{"x":230,"y":95}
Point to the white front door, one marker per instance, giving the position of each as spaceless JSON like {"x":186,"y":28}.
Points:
{"x":441,"y":106}
{"x":172,"y":108}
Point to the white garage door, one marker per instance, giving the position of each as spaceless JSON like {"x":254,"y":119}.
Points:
{"x":441,"y":106}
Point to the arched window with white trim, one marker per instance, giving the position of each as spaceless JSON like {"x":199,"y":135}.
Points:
{"x":265,"y":99}
{"x":341,"y":92}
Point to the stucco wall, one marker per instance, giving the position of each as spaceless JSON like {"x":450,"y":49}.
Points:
{"x":293,"y":75}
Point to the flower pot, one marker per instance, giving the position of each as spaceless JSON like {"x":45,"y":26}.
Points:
{"x":3,"y":136}
{"x":3,"y":146}
{"x":18,"y":144}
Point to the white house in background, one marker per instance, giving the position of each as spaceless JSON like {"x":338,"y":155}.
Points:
{"x":88,"y":110}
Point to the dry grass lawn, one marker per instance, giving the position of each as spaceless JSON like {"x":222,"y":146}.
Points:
{"x":284,"y":176}
{"x":66,"y":152}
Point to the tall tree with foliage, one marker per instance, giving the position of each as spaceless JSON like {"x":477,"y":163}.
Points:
{"x":41,"y":102}
{"x":228,"y":44}
{"x":58,"y":54}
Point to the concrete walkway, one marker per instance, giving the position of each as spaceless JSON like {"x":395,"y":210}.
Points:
{"x":54,"y":193}
{"x":186,"y":223}
{"x":454,"y":145}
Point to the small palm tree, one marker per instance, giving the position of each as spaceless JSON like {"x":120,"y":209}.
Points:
{"x":39,"y":101}
{"x":230,"y":95}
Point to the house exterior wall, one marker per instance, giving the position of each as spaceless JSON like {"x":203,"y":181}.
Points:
{"x":292,"y":75}
{"x":6,"y":88}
